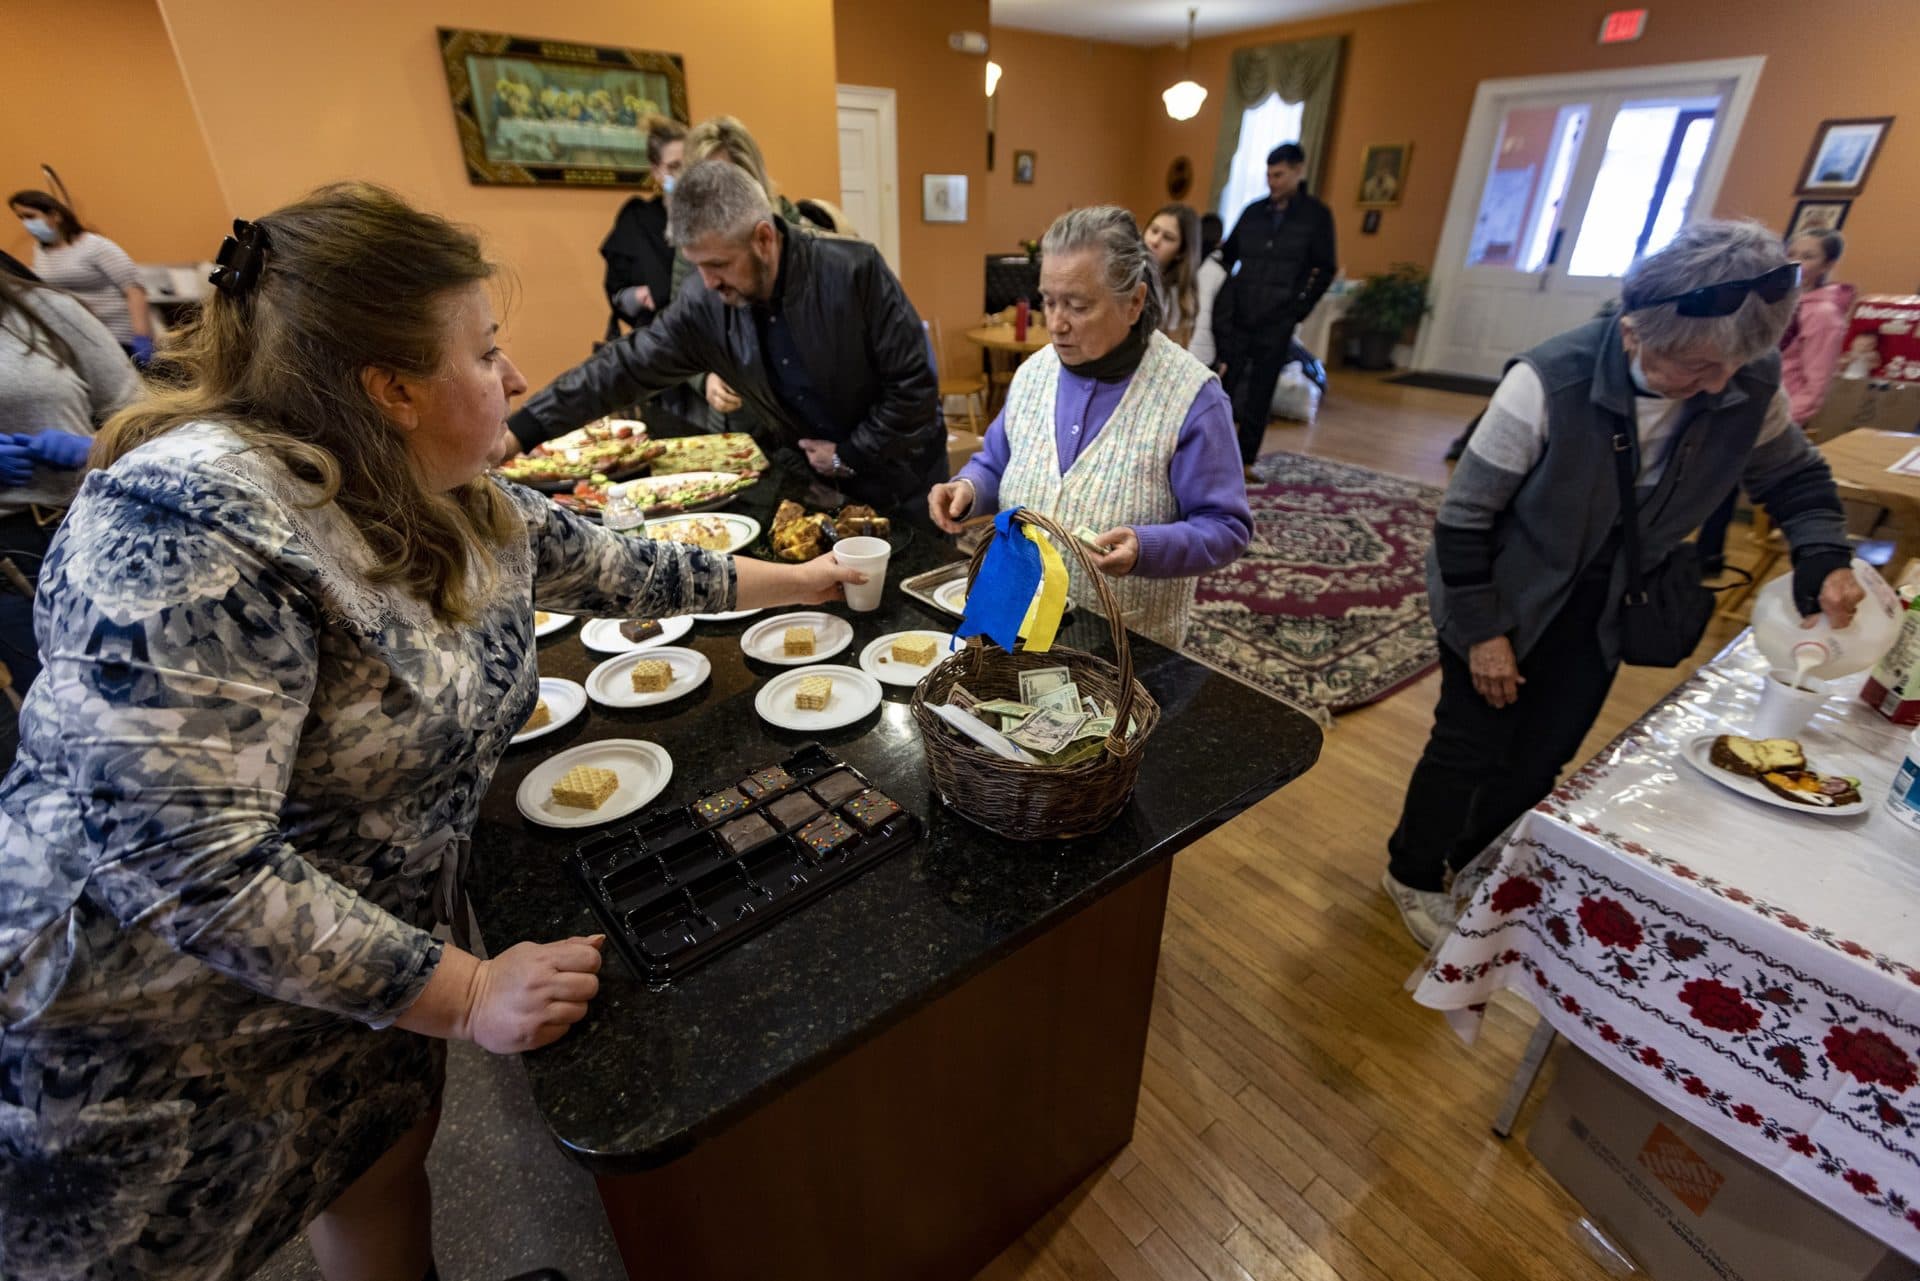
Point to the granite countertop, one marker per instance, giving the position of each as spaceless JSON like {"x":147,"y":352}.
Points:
{"x":649,"y":1074}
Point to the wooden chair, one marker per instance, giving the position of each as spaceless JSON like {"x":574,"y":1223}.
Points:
{"x":1770,"y":548}
{"x":972,"y":389}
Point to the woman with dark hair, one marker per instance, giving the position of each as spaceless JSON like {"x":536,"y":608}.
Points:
{"x":1173,"y":238}
{"x":288,"y":634}
{"x":90,"y":267}
{"x":639,"y":280}
{"x":61,"y":375}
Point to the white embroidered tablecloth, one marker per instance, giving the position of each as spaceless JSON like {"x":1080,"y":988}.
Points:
{"x":1755,"y":970}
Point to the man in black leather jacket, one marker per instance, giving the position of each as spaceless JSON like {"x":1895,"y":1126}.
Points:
{"x":813,"y":331}
{"x":1283,"y":246}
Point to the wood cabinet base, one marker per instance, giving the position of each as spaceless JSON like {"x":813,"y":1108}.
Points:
{"x":925,"y":1152}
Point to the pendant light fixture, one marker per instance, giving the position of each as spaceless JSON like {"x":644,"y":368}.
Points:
{"x":1183,"y":100}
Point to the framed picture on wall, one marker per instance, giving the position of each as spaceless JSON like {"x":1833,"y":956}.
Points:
{"x":1842,"y":156}
{"x":552,"y":113}
{"x":1817,"y":215}
{"x":1023,"y":166}
{"x":943,"y":197}
{"x":1383,"y":172}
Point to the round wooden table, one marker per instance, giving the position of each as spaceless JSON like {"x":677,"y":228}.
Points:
{"x":1000,"y":338}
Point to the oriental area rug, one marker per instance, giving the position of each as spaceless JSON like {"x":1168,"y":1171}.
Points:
{"x":1328,"y":608}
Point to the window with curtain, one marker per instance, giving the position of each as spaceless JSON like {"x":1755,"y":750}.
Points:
{"x":1263,"y":126}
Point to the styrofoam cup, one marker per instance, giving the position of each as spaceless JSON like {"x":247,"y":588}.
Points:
{"x":869,"y":556}
{"x":1784,"y":710}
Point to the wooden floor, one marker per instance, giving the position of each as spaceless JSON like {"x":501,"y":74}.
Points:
{"x":1302,"y":1118}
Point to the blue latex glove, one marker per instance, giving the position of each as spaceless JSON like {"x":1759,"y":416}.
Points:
{"x":16,"y":464}
{"x":60,"y":449}
{"x":142,"y":349}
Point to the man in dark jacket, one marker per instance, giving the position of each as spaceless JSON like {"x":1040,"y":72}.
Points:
{"x":814,"y":332}
{"x":1283,"y":247}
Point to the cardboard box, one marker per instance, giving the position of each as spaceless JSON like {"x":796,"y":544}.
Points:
{"x":1857,"y":402}
{"x":961,"y":445}
{"x":1883,"y":338}
{"x":1685,"y":1207}
{"x":1894,"y":688}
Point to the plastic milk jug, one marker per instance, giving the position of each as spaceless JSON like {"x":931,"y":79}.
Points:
{"x":1903,"y":800}
{"x":1823,"y":652}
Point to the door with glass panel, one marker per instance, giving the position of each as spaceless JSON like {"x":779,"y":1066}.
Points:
{"x":1567,"y":192}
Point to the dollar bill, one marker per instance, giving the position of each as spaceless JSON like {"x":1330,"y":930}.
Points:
{"x":1076,"y":753}
{"x":1091,"y":539}
{"x":1048,"y":731}
{"x":962,"y":697}
{"x":1003,"y":707}
{"x":1041,"y":679}
{"x":1064,"y":699}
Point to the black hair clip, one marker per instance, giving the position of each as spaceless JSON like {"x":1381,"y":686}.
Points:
{"x":241,"y":258}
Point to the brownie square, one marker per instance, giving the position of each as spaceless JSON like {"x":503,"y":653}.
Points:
{"x":870,"y":810}
{"x":709,"y":810}
{"x":761,"y":784}
{"x":640,"y":629}
{"x":826,"y":834}
{"x":793,"y":811}
{"x":745,"y":835}
{"x":836,"y":787}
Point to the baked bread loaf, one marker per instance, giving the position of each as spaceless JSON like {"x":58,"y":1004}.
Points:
{"x":1754,"y":757}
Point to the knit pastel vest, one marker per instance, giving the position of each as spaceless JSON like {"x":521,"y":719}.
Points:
{"x":1120,"y":479}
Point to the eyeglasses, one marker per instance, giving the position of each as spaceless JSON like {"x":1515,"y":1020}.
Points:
{"x":1725,"y":298}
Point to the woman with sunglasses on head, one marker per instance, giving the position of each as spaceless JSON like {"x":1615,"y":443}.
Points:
{"x":1529,"y":564}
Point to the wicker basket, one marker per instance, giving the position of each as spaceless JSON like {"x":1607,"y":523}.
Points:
{"x":1037,"y":802}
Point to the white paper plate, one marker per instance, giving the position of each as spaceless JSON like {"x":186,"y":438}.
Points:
{"x":855,"y":694}
{"x":603,"y":636}
{"x":877,"y":659}
{"x":565,"y":700}
{"x":744,"y":529}
{"x":1699,"y":753}
{"x":553,"y":624}
{"x":728,"y":617}
{"x":644,"y":770}
{"x":766,"y":640}
{"x":611,"y":683}
{"x":952,"y":596}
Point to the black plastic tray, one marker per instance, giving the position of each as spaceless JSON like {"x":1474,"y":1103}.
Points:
{"x":673,"y":896}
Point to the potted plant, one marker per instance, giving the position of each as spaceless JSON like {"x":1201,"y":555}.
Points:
{"x":1383,"y":309}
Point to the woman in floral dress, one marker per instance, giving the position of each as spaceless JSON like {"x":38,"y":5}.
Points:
{"x":287,"y":632}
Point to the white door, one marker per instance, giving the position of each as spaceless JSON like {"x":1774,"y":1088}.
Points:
{"x":870,"y":168}
{"x":1563,"y":183}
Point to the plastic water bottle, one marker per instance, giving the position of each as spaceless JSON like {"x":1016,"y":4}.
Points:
{"x":621,"y":511}
{"x":1903,"y":798}
{"x":1822,"y":651}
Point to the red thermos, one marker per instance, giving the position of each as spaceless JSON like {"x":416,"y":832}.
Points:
{"x":1020,"y":321}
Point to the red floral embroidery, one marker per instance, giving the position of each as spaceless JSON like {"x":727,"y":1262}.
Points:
{"x":1682,"y":948}
{"x":1626,"y":971}
{"x":1651,"y":1057}
{"x":1793,"y":922}
{"x":1804,"y":1146}
{"x":1449,"y":973}
{"x":1861,"y":1182}
{"x":1913,"y":1217}
{"x":1719,"y":1006}
{"x":1747,"y":1114}
{"x":1738,"y":896}
{"x":1557,"y":927}
{"x":1789,"y":1059}
{"x":1892,"y":1116}
{"x":1570,"y":1005}
{"x":1609,"y":924}
{"x":1684,"y":872}
{"x":1515,"y":893}
{"x":1776,"y":996}
{"x":1868,"y":1056}
{"x":1697,"y":1088}
{"x":1854,"y":949}
{"x":1609,"y":1034}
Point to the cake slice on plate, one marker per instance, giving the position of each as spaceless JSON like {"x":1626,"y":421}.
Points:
{"x":1756,"y":757}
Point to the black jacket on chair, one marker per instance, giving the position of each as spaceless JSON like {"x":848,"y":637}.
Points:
{"x":1284,"y":267}
{"x":859,"y":337}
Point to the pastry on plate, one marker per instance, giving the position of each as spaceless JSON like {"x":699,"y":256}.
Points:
{"x":640,"y":629}
{"x":586,"y":787}
{"x":916,"y":649}
{"x":858,"y":520}
{"x":813,"y":694}
{"x":798,"y":642}
{"x":652,"y":676}
{"x":1753,"y":757}
{"x":541,"y":618}
{"x":542,"y":715}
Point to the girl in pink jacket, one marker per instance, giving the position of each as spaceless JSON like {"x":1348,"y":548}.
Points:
{"x":1810,"y":352}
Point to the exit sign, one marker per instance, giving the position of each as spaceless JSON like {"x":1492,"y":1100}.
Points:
{"x":1623,"y":25}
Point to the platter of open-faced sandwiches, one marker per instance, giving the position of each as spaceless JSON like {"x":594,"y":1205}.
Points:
{"x":610,"y":449}
{"x":1774,"y":771}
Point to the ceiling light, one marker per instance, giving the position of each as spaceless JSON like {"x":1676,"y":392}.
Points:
{"x":1183,"y":100}
{"x":993,"y":77}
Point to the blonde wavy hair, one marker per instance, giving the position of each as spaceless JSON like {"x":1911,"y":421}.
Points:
{"x":726,"y":137}
{"x":355,"y":278}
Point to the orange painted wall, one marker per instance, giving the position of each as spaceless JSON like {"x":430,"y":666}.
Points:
{"x":1411,"y":71}
{"x":295,"y":94}
{"x":1083,"y":108}
{"x":93,"y":90}
{"x":941,"y":109}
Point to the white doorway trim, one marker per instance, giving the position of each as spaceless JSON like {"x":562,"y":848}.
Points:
{"x":1476,"y":154}
{"x":881,"y":102}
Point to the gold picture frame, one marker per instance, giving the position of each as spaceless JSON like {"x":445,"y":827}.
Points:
{"x":1383,"y":174}
{"x":538,"y":113}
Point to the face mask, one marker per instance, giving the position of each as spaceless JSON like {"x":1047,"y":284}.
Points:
{"x":1639,"y":376}
{"x":39,"y":230}
{"x":666,"y":183}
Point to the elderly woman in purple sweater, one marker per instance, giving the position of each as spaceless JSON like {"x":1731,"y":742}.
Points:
{"x":1114,"y":428}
